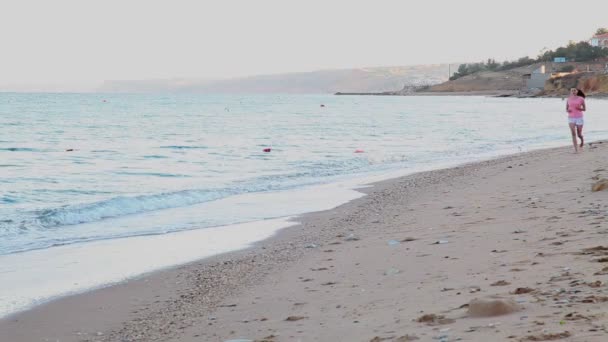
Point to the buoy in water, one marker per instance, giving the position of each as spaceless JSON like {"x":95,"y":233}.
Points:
{"x":322,"y":105}
{"x":359,"y":150}
{"x":268,"y":149}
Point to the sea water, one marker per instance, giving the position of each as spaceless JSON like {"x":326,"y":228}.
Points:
{"x":84,"y":175}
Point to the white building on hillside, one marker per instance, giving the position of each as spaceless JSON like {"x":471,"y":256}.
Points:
{"x":600,"y":40}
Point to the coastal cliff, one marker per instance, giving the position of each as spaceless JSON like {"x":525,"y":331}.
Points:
{"x":591,"y":83}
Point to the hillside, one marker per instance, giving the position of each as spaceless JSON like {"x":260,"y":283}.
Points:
{"x":511,"y":82}
{"x":377,"y":79}
{"x":508,"y":81}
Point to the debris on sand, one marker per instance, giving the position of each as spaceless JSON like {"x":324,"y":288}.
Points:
{"x":594,"y":299}
{"x":432,"y":319}
{"x":604,"y":271}
{"x":600,"y":185}
{"x":548,"y":337}
{"x":598,"y":250}
{"x":575,"y":316}
{"x":522,"y":290}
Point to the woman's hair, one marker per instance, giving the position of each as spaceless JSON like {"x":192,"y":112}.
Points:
{"x":580,"y":93}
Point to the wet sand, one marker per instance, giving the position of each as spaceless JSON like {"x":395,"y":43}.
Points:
{"x":512,"y":249}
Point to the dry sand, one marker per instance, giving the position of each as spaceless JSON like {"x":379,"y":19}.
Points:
{"x":512,"y":249}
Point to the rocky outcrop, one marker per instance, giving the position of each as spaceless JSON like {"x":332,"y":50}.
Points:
{"x":591,"y":83}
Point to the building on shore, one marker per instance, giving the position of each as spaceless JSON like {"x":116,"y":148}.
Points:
{"x":537,"y":79}
{"x":600,"y":40}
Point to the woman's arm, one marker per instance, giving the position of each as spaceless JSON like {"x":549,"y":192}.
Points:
{"x":583,"y":106}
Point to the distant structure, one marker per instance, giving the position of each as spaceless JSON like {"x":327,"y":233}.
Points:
{"x":414,"y":87}
{"x":600,"y":40}
{"x":537,"y":79}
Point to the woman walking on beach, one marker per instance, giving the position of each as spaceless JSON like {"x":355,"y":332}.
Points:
{"x":575,"y":106}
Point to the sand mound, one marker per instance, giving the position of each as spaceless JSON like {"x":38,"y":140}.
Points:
{"x":492,"y":307}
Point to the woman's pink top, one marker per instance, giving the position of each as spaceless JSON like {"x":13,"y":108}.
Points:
{"x":574,"y":106}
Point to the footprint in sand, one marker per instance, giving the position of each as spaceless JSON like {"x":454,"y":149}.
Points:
{"x":548,"y":337}
{"x":500,"y":283}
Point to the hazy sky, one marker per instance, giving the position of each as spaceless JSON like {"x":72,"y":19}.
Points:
{"x":88,"y":41}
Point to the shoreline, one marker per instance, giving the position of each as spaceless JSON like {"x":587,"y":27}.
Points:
{"x":351,"y":185}
{"x":486,"y":93}
{"x":109,"y":251}
{"x":497,"y":93}
{"x":169,"y":304}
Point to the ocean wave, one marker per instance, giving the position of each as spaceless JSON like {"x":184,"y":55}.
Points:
{"x":30,"y":230}
{"x":184,"y":147}
{"x":122,"y":206}
{"x":312,"y":173}
{"x":155,"y":156}
{"x":20,"y":149}
{"x":8,"y":200}
{"x":152,"y":174}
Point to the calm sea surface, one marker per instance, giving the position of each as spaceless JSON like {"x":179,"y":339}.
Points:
{"x":72,"y":164}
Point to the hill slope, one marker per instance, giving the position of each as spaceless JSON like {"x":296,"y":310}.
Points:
{"x":508,"y":80}
{"x":324,"y":81}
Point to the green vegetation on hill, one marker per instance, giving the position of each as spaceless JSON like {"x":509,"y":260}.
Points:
{"x":575,"y":52}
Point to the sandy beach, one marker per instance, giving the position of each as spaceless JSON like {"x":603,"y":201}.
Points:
{"x":511,"y":249}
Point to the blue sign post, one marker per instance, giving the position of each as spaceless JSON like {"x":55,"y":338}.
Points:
{"x":559,"y":60}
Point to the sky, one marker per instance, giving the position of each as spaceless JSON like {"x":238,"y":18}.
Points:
{"x":81,"y":43}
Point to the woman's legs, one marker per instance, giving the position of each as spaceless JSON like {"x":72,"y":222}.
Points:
{"x":579,"y":131}
{"x":573,"y":132}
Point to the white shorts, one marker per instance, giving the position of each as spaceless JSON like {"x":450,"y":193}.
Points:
{"x":576,"y":121}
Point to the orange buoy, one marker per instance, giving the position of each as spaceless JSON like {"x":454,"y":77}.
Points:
{"x":359,"y":150}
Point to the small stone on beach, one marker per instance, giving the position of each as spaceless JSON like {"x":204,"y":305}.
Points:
{"x":352,"y":237}
{"x":522,"y":290}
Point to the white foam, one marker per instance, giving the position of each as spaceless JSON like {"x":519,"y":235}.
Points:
{"x":34,"y":277}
